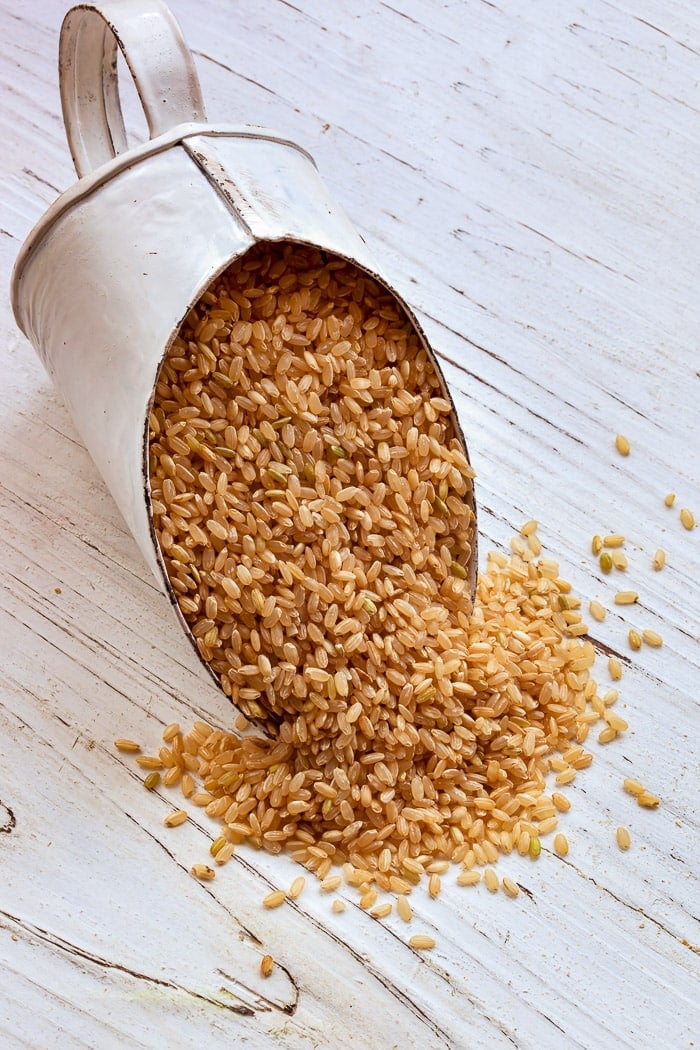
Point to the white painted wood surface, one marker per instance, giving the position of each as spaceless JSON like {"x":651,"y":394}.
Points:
{"x":528,"y":173}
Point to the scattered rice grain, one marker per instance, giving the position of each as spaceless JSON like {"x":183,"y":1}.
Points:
{"x":619,"y":560}
{"x":148,"y":762}
{"x":614,"y":668}
{"x":561,"y":845}
{"x":510,"y":887}
{"x":606,"y":562}
{"x":368,"y":899}
{"x":635,"y":639}
{"x":174,"y":819}
{"x":687,"y":519}
{"x":623,"y":838}
{"x":491,"y":880}
{"x":382,"y":910}
{"x":129,"y":747}
{"x":653,"y":639}
{"x":434,"y":885}
{"x":616,"y":722}
{"x":295,"y":890}
{"x":422,"y":941}
{"x":274,"y":899}
{"x":403,"y":908}
{"x":203,"y":872}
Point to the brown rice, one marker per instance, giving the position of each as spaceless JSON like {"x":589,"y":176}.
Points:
{"x":312,"y":502}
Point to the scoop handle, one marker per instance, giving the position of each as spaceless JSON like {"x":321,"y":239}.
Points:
{"x":159,"y":62}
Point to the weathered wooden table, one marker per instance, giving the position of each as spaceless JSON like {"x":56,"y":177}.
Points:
{"x":528,"y":173}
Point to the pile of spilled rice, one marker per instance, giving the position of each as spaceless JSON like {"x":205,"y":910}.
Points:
{"x":312,"y":503}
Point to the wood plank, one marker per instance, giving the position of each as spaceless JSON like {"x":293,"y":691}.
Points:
{"x":527,"y":176}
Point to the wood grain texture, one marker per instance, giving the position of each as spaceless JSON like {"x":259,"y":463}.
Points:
{"x":528,"y":174}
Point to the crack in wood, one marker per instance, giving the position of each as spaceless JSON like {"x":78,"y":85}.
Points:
{"x":78,"y":954}
{"x":388,"y":985}
{"x":507,"y":364}
{"x":287,"y":1008}
{"x":527,"y":892}
{"x":491,"y":386}
{"x":63,"y":525}
{"x":119,"y":656}
{"x":421,"y":25}
{"x":241,"y":861}
{"x":663,"y":32}
{"x":628,"y":904}
{"x":38,"y":178}
{"x":359,"y":957}
{"x":234,"y":72}
{"x":9,"y":822}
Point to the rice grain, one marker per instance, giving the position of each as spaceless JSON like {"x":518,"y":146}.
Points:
{"x":619,"y":560}
{"x":129,"y":747}
{"x":403,"y":908}
{"x":623,"y":838}
{"x":174,"y":819}
{"x":491,"y":880}
{"x":614,"y":668}
{"x":652,"y":638}
{"x":274,"y":899}
{"x":296,"y":889}
{"x":510,"y":887}
{"x":687,"y":519}
{"x":561,"y":845}
{"x":203,"y":872}
{"x":381,"y":911}
{"x":635,"y":639}
{"x":422,"y":941}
